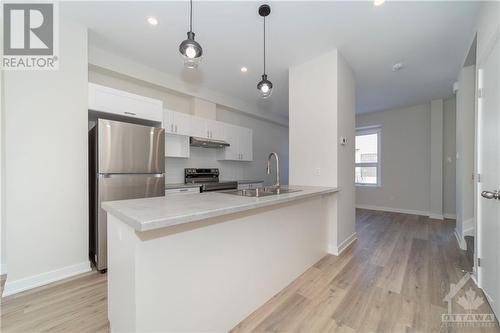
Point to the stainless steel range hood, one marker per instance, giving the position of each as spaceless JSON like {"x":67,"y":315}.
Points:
{"x":207,"y":143}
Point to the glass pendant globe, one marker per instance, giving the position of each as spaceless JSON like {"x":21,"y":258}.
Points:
{"x":265,"y":87}
{"x":191,"y":51}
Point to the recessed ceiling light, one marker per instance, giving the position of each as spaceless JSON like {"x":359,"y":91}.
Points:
{"x":397,"y":66}
{"x":244,"y":69}
{"x":152,"y":20}
{"x":378,"y":2}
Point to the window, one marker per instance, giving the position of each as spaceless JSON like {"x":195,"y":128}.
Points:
{"x":367,"y":170}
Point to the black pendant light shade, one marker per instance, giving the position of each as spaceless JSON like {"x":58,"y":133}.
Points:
{"x":265,"y":86}
{"x":189,"y":48}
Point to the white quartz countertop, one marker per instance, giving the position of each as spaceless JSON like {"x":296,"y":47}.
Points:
{"x":160,"y":212}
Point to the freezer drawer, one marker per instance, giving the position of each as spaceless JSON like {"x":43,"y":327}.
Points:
{"x":129,"y":148}
{"x":120,"y":187}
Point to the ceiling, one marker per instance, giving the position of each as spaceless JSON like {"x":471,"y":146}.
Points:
{"x":430,"y":38}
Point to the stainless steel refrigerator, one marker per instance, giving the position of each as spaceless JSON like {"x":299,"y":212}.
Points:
{"x":126,"y":161}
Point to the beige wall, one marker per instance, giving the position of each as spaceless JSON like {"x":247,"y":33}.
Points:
{"x":406,"y":160}
{"x":267,"y":136}
{"x":46,"y":195}
{"x":321,"y":110}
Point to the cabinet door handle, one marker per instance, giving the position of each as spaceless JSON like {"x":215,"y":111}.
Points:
{"x":130,"y":113}
{"x":171,"y":127}
{"x":183,"y":190}
{"x":176,"y":128}
{"x":208,"y":133}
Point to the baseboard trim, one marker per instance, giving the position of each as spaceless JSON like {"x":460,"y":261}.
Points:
{"x":344,"y":245}
{"x":460,"y":241}
{"x":17,"y":286}
{"x":450,"y":216}
{"x":394,"y":210}
{"x":436,"y":216}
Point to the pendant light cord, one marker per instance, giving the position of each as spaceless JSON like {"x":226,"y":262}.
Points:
{"x":264,"y":45}
{"x":191,"y":15}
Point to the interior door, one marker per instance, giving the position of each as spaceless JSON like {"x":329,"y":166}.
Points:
{"x":489,"y":183}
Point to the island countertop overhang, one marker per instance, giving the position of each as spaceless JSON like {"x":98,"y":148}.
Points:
{"x":162,"y":212}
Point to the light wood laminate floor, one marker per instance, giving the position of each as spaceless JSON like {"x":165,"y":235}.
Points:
{"x":392,"y":279}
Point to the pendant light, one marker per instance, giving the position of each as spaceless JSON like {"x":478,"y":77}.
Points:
{"x":190,"y":49}
{"x":265,"y":86}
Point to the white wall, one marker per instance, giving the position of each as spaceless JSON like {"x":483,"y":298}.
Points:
{"x":267,"y":136}
{"x":449,"y":157}
{"x":346,"y":106}
{"x":3,"y":257}
{"x":465,"y":150}
{"x":436,"y":160}
{"x":321,"y":109}
{"x":405,"y":160}
{"x":46,"y":203}
{"x":488,"y":26}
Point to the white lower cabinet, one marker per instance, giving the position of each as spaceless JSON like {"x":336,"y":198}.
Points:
{"x":181,"y":191}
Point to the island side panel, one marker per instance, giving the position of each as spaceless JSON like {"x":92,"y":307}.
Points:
{"x":212,"y":277}
{"x":122,"y":242}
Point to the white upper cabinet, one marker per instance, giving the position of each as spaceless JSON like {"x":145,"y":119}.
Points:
{"x":180,"y":126}
{"x":110,"y":100}
{"x":241,"y":145}
{"x":177,"y":123}
{"x":215,"y":129}
{"x":207,"y":128}
{"x":246,"y":144}
{"x":231,"y":153}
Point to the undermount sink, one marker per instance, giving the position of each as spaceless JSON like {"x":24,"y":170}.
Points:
{"x":262,"y":192}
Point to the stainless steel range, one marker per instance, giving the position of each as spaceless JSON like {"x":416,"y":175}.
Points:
{"x":208,"y":178}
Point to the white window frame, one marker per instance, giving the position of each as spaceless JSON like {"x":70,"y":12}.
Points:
{"x":377,"y":129}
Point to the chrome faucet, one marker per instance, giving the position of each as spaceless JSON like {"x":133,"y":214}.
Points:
{"x":268,"y":169}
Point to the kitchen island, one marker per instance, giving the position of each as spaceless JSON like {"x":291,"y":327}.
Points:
{"x":203,"y":262}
